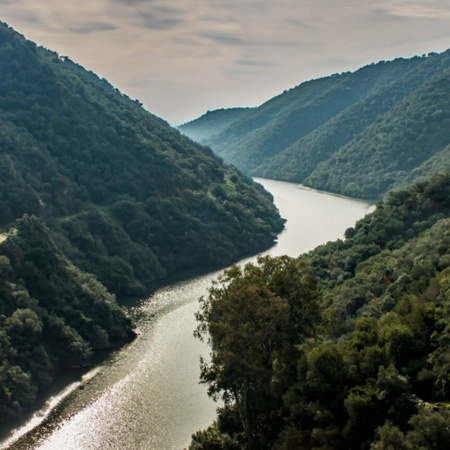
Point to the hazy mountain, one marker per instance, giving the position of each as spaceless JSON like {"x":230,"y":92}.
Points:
{"x":358,"y":133}
{"x":213,"y":122}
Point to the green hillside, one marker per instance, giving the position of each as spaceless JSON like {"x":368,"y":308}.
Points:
{"x":348,"y":133}
{"x":401,"y":140}
{"x":52,"y":316}
{"x":370,"y":369}
{"x":95,"y":191}
{"x":125,"y":196}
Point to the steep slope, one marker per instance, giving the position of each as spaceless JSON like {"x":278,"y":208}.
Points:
{"x":126,"y":196}
{"x":52,"y":316}
{"x":438,"y":163}
{"x":319,"y":132}
{"x":403,"y":139}
{"x":299,"y":160}
{"x":283,"y":120}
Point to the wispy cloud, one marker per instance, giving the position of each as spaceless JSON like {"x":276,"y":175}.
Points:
{"x":158,"y":21}
{"x":227,"y":39}
{"x":253,"y":63}
{"x":92,"y":27}
{"x":434,"y":9}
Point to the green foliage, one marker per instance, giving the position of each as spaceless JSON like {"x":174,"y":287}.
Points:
{"x":52,"y":316}
{"x":251,"y":317}
{"x":126,"y":196}
{"x":407,"y":137}
{"x":359,"y":134}
{"x":372,"y":373}
{"x":213,"y":439}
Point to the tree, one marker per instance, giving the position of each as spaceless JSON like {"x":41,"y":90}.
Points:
{"x":431,"y":429}
{"x":255,"y":317}
{"x":390,"y":438}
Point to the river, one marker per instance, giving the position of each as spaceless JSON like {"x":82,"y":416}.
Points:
{"x":147,"y":394}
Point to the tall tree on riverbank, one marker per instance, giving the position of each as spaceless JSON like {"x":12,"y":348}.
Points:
{"x":252,"y":318}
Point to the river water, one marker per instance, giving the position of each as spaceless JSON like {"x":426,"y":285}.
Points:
{"x":147,"y":394}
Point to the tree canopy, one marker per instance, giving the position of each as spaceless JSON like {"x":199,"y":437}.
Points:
{"x":53,"y":316}
{"x":98,"y":198}
{"x":367,"y":366}
{"x":255,"y":317}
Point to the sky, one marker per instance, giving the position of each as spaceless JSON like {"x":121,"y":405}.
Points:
{"x":181,"y":58}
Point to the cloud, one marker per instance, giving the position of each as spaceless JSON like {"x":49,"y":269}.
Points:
{"x":434,"y":9}
{"x":297,"y":23}
{"x":28,"y":17}
{"x":253,"y":63}
{"x":227,"y":39}
{"x":91,"y":27}
{"x":160,"y":18}
{"x":134,"y":2}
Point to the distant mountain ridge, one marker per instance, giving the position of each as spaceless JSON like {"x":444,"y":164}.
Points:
{"x":338,"y":134}
{"x":213,"y":122}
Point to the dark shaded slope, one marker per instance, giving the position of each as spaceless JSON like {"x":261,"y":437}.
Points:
{"x":125,"y":195}
{"x":298,"y":161}
{"x":438,"y":163}
{"x":52,"y":316}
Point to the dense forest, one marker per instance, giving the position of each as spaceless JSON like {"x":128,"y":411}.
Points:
{"x":52,"y":316}
{"x":125,"y":196}
{"x":358,"y":134}
{"x":345,"y":347}
{"x":98,"y":197}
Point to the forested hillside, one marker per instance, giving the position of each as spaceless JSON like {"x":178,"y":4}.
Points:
{"x":52,"y":316}
{"x":126,"y":197}
{"x":348,"y":347}
{"x":94,"y":192}
{"x":358,"y":134}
